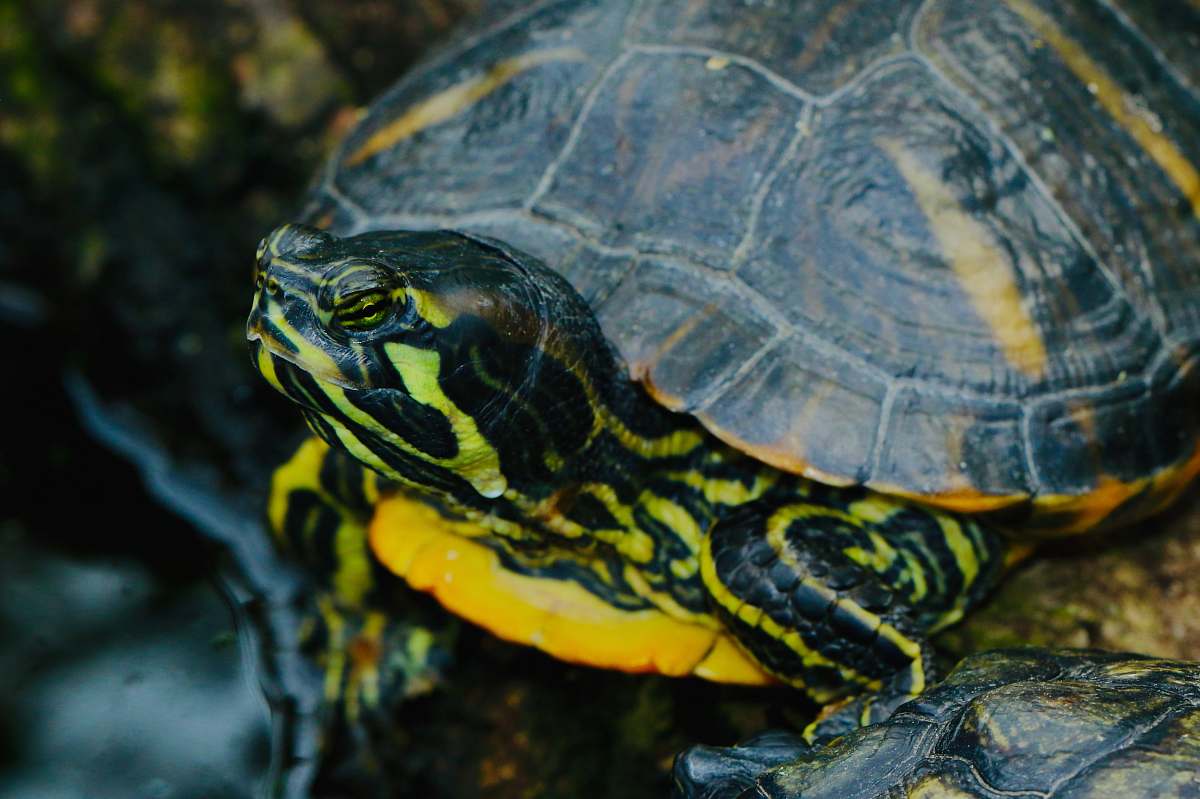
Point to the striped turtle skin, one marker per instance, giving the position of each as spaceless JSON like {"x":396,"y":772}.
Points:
{"x":713,"y":339}
{"x":1063,"y":724}
{"x":477,"y":437}
{"x":947,"y":251}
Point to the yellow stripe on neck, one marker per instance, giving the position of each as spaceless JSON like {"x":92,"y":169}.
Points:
{"x":477,"y":461}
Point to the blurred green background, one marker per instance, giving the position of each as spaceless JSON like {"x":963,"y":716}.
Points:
{"x":145,"y":147}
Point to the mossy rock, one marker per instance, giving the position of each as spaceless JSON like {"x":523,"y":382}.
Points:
{"x":1135,"y":591}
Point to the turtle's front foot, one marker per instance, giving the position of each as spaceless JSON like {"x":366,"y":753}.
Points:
{"x":371,"y":660}
{"x":363,"y":629}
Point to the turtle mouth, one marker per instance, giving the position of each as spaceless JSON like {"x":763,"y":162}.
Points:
{"x":266,"y":350}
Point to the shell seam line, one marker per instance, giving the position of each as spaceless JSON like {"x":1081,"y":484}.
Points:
{"x":774,"y":78}
{"x":788,"y":87}
{"x":975,"y":773}
{"x":412,"y":76}
{"x":1036,"y":483}
{"x":1142,"y":39}
{"x":1125,"y":741}
{"x":719,"y":387}
{"x":1033,"y":175}
{"x":585,"y":110}
{"x":803,"y":130}
{"x":914,"y":25}
{"x":764,"y":308}
{"x":882,"y":428}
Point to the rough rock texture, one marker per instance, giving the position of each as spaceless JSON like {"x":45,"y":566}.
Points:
{"x":1136,"y":591}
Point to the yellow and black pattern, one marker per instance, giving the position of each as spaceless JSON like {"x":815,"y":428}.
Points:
{"x":834,"y":590}
{"x":320,"y":504}
{"x":472,"y":377}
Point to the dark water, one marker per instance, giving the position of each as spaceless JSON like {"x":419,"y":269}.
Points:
{"x":144,"y":147}
{"x":147,"y":630}
{"x":123,"y":670}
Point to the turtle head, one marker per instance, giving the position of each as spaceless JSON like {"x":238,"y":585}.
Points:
{"x":320,"y":307}
{"x":414,"y":350}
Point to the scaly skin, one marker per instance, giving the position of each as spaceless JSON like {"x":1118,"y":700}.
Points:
{"x":1059,"y":724}
{"x":474,"y":378}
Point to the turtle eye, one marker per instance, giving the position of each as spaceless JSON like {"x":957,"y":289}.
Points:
{"x":363,"y":310}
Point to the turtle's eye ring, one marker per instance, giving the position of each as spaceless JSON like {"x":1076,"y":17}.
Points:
{"x":364,"y":310}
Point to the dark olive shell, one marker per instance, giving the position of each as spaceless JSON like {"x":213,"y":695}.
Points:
{"x":945,"y":249}
{"x":1024,"y":722}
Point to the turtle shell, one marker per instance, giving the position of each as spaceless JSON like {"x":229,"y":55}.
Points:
{"x":1021,"y":722}
{"x":951,"y":251}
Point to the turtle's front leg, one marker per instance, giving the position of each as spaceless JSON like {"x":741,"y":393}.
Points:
{"x":360,"y":628}
{"x":834,"y":591}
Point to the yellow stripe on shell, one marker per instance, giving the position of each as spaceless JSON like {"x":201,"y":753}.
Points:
{"x":1120,"y":105}
{"x":451,"y":102}
{"x":1079,"y":512}
{"x":558,"y":617}
{"x":1109,"y":493}
{"x":982,"y":268}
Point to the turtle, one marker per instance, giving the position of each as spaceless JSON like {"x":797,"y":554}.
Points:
{"x":1024,"y":722}
{"x":752,"y":342}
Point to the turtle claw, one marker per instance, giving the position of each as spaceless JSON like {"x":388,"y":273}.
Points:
{"x":372,"y":662}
